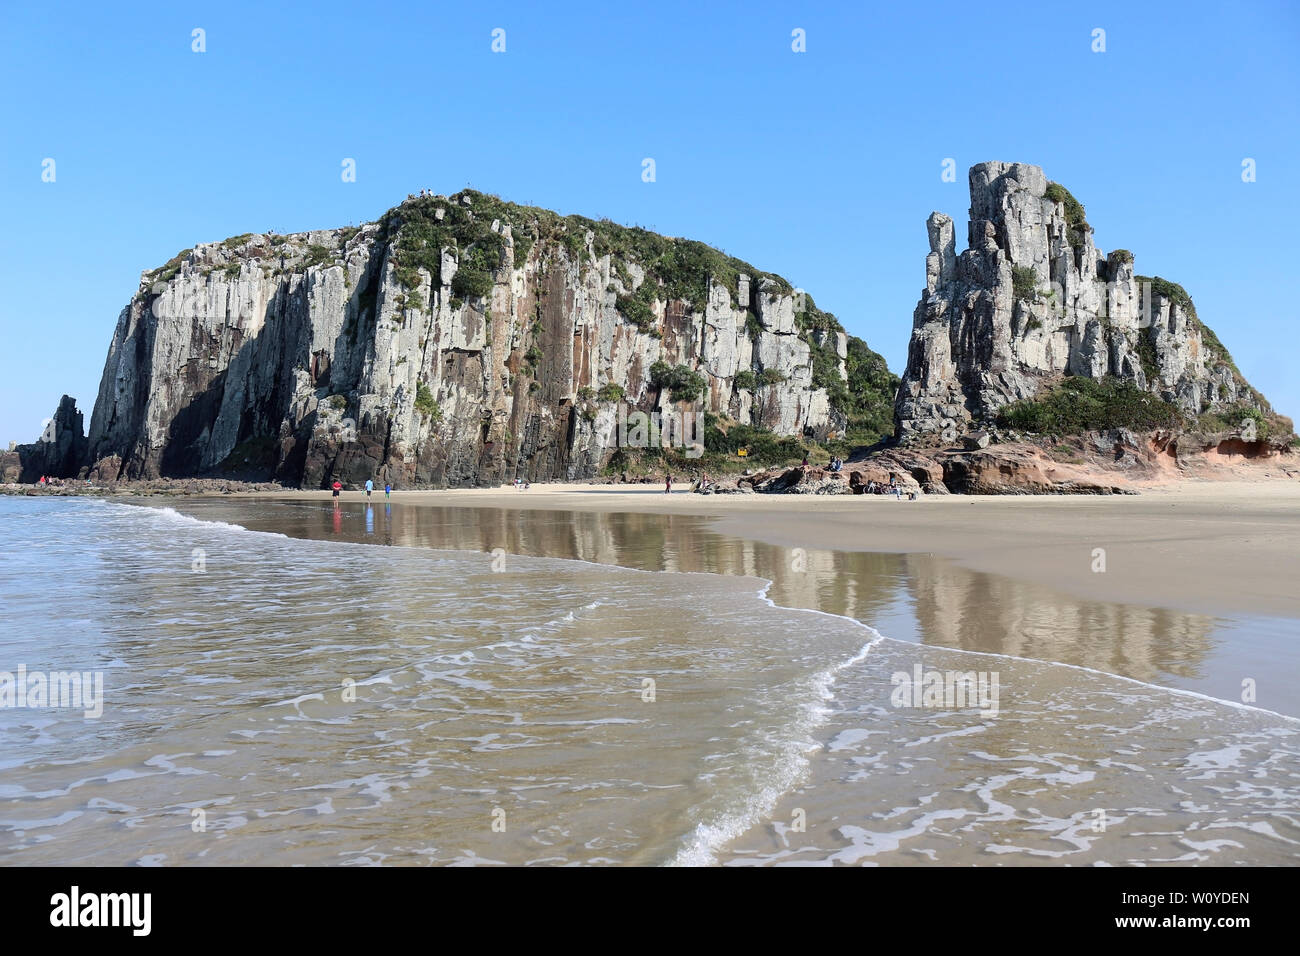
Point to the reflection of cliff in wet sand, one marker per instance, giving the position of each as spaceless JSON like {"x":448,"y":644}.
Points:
{"x":918,"y":597}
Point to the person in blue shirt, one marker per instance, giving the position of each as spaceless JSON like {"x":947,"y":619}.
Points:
{"x":370,"y":486}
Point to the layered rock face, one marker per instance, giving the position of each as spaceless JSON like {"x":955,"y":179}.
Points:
{"x":1032,"y":299}
{"x":457,"y":341}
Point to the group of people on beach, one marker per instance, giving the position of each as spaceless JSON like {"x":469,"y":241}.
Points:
{"x":835,"y":464}
{"x":893,"y":488}
{"x":337,"y":487}
{"x":699,"y":484}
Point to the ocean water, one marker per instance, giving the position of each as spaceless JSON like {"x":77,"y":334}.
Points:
{"x":290,"y":684}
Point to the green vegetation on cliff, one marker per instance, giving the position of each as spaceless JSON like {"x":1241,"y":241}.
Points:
{"x":1175,"y":293}
{"x":420,"y":228}
{"x":1081,"y":404}
{"x":169,"y":270}
{"x":867,"y":399}
{"x":426,"y":404}
{"x":1268,"y":423}
{"x":638,"y":307}
{"x":682,"y":384}
{"x":1075,"y":216}
{"x":1024,"y":283}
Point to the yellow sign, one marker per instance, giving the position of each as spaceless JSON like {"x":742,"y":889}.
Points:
{"x":743,"y":452}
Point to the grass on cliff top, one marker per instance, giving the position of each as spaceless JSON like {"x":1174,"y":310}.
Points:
{"x":1075,"y":215}
{"x":1079,"y":404}
{"x":682,"y":268}
{"x":169,"y":269}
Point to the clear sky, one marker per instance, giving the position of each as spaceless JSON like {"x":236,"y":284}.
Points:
{"x":821,"y":165}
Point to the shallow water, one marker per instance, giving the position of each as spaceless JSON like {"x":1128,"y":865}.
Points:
{"x":514,"y":697}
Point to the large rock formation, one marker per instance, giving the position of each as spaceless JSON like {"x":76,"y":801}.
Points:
{"x":459,"y":340}
{"x":1031,"y":300}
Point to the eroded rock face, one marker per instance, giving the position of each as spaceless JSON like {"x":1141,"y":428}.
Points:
{"x":979,"y":342}
{"x":1008,"y":469}
{"x":329,"y":354}
{"x":60,"y":450}
{"x":1022,"y":470}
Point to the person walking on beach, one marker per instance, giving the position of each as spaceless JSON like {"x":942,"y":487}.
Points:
{"x":668,"y":483}
{"x":388,"y":490}
{"x":336,"y":487}
{"x":370,"y":486}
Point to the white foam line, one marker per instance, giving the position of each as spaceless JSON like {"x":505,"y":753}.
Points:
{"x":171,"y":514}
{"x":710,"y":836}
{"x":1178,"y":691}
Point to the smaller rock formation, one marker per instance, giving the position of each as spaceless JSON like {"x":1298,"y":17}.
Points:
{"x":60,"y":450}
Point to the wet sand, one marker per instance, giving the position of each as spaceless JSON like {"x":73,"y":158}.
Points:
{"x":1197,"y":591}
{"x":1204,"y":547}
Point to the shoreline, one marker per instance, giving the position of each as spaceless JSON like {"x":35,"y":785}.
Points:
{"x":1199,"y":546}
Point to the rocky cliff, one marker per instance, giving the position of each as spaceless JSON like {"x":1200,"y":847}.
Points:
{"x":458,"y":340}
{"x":1032,"y":300}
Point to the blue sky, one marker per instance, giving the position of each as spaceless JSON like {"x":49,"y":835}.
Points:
{"x":821,"y":165}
